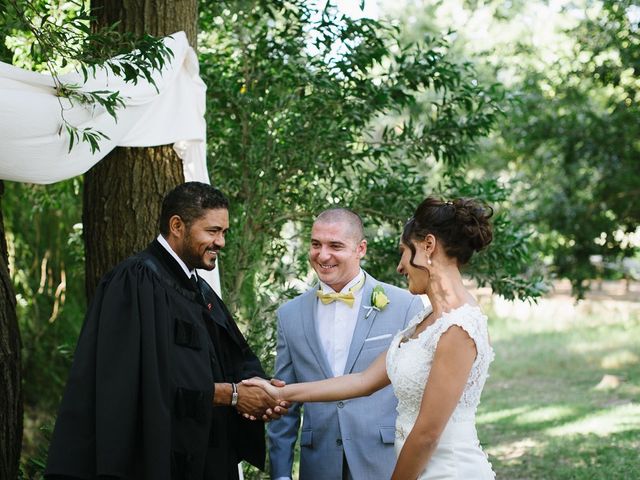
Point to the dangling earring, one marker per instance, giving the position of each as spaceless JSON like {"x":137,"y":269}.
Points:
{"x":429,"y":261}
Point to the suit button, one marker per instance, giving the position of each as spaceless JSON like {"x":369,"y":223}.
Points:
{"x":339,"y":442}
{"x":340,"y":404}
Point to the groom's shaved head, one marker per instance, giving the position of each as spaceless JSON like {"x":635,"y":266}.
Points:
{"x":337,"y":246}
{"x":346,"y":216}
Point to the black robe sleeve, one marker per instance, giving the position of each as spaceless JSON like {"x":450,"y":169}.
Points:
{"x":114,"y":419}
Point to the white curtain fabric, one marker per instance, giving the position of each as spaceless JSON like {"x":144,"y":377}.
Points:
{"x":34,"y":147}
{"x":35,"y":150}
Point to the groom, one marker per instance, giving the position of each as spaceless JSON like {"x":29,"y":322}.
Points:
{"x":339,"y":326}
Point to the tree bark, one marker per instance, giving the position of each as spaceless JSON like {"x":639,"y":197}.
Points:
{"x":123,"y":193}
{"x":10,"y":368}
{"x":154,"y":17}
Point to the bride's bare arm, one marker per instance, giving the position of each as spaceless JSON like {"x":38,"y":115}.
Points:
{"x":452,"y":363}
{"x":338,"y":388}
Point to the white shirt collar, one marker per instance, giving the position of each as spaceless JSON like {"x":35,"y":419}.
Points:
{"x":327,"y":289}
{"x":168,"y":248}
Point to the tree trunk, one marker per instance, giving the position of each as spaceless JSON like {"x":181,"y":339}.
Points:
{"x":10,"y":374}
{"x":122,"y":198}
{"x":123,"y":192}
{"x":154,"y":17}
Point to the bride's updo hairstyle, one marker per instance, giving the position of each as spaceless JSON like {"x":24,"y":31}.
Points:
{"x":462,"y":227}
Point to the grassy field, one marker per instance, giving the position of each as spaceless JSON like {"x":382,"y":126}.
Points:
{"x":563,"y":399}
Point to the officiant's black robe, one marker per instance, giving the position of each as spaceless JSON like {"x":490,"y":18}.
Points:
{"x":138,"y":402}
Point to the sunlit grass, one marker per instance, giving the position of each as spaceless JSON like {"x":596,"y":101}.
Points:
{"x":563,"y":399}
{"x":619,"y":359}
{"x":603,"y":422}
{"x":546,"y":414}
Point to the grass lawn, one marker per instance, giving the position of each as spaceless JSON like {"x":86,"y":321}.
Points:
{"x":546,"y":411}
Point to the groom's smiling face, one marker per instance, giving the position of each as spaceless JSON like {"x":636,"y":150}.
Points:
{"x":335,"y":253}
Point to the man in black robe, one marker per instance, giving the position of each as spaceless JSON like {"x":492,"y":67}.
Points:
{"x":154,"y":390}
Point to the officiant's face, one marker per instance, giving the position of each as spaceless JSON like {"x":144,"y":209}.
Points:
{"x":204,"y":238}
{"x":335,"y":253}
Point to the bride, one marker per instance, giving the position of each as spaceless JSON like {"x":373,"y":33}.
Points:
{"x":437,"y":365}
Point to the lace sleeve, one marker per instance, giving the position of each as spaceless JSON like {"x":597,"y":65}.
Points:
{"x":467,"y":317}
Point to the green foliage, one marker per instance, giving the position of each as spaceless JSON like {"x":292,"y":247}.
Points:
{"x":567,"y":145}
{"x":576,"y":132}
{"x":509,"y":266}
{"x":53,"y":36}
{"x":109,"y":100}
{"x":310,"y":109}
{"x":46,"y":264}
{"x":34,"y":466}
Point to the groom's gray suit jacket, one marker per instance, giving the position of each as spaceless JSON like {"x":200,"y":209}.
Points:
{"x":361,"y":429}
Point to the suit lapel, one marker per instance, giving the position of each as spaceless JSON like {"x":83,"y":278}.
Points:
{"x":363,"y":325}
{"x":309,"y":325}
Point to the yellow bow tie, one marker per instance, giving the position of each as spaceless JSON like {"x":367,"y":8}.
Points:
{"x":327,"y":298}
{"x":349,"y":298}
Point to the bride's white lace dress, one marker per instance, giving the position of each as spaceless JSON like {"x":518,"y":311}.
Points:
{"x":458,"y":454}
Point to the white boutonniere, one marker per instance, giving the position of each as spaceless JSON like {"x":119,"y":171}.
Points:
{"x":379,"y":300}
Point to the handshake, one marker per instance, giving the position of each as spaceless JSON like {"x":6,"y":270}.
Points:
{"x":260,"y":398}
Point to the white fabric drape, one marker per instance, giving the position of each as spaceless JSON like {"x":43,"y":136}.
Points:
{"x":34,"y":149}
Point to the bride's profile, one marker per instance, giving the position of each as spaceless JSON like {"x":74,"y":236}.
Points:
{"x":438,"y":364}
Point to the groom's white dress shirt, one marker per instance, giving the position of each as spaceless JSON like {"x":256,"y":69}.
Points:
{"x":336,"y":324}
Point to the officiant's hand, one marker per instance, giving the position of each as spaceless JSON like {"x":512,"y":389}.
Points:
{"x":271,"y":389}
{"x":254,"y":402}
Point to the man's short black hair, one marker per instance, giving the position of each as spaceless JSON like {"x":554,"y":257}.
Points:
{"x":190,"y":201}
